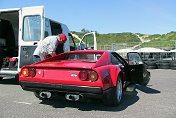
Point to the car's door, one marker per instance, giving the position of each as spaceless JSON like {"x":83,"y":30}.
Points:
{"x":136,"y":68}
{"x":31,"y":32}
{"x":88,"y":42}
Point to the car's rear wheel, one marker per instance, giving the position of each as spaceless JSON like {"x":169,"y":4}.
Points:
{"x":118,"y":91}
{"x":115,"y":96}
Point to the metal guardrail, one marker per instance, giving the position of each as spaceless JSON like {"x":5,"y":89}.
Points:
{"x":166,"y":45}
{"x":116,"y":46}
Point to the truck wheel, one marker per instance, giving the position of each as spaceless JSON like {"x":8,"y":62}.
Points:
{"x":115,"y":96}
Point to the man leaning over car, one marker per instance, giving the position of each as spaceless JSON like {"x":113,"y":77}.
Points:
{"x":47,"y":48}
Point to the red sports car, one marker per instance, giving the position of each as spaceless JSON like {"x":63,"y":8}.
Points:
{"x":84,"y":74}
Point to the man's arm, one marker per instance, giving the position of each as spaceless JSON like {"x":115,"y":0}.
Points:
{"x":53,"y":54}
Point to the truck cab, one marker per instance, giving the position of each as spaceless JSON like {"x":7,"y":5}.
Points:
{"x":21,"y":30}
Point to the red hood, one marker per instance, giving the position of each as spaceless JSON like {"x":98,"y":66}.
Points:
{"x":65,"y":64}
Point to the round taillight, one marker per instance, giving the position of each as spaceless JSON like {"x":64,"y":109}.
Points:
{"x":25,"y":72}
{"x":32,"y":72}
{"x":83,"y":75}
{"x":93,"y":76}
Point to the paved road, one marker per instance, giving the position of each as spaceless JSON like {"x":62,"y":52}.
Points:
{"x":157,"y":100}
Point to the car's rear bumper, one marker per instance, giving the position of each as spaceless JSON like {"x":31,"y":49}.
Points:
{"x":38,"y":86}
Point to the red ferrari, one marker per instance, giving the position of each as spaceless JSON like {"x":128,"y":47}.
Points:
{"x":84,"y":74}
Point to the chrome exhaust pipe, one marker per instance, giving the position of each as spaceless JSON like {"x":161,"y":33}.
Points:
{"x":73,"y":97}
{"x":45,"y":94}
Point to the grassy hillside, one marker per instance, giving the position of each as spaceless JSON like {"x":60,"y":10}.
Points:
{"x":156,"y":40}
{"x":117,"y":38}
{"x":161,"y":41}
{"x":113,"y":38}
{"x":153,"y":37}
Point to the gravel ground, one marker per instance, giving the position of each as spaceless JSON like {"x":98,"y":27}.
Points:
{"x":157,"y":100}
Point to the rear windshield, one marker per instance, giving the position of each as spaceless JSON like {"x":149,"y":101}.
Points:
{"x":86,"y":57}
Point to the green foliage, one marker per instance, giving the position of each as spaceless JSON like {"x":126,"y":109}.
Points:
{"x":164,"y":37}
{"x":159,"y":44}
{"x":130,"y":39}
{"x":168,"y":37}
{"x":153,"y":37}
{"x":161,"y":41}
{"x":140,"y":34}
{"x":117,"y":38}
{"x":113,"y":37}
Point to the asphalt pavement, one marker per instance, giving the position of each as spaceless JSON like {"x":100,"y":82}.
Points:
{"x":156,"y":100}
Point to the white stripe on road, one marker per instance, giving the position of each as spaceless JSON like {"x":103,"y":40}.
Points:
{"x":23,"y":103}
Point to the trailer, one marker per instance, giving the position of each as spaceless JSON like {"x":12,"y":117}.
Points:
{"x":21,"y":30}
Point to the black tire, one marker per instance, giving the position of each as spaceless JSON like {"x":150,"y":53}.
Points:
{"x":173,"y":65}
{"x":1,"y":78}
{"x":146,"y":79}
{"x":173,"y":68}
{"x":114,"y":97}
{"x":151,"y":64}
{"x":163,"y":65}
{"x":151,"y":67}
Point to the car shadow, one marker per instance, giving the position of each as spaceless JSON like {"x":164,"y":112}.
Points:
{"x":129,"y":98}
{"x":10,"y":81}
{"x":96,"y":105}
{"x":147,"y":89}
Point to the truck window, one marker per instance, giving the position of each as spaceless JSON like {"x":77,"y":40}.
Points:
{"x":55,"y":28}
{"x":32,"y":28}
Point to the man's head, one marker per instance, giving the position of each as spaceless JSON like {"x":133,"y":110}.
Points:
{"x":61,"y":38}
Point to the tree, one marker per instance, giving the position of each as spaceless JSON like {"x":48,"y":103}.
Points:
{"x":83,"y":30}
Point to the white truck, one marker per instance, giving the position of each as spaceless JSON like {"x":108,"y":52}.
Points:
{"x":21,"y":29}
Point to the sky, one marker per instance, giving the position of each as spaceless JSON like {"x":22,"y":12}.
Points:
{"x":107,"y":16}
